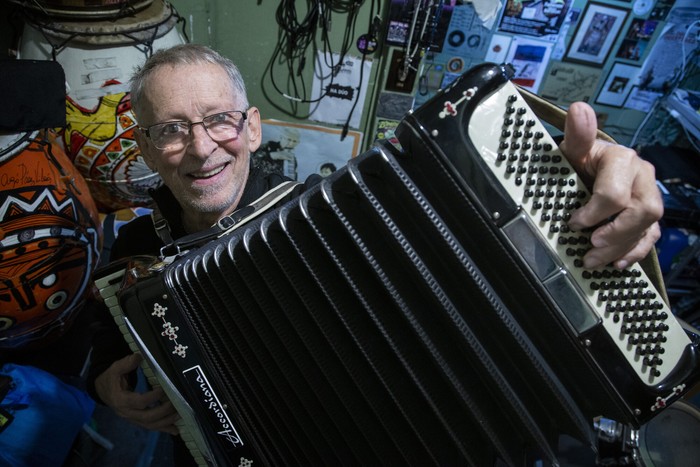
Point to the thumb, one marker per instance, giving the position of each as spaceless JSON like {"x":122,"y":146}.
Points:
{"x":579,"y":135}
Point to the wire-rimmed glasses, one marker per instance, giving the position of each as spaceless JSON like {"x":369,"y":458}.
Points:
{"x":174,"y":136}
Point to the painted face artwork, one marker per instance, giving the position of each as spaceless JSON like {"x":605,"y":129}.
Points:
{"x":50,"y":239}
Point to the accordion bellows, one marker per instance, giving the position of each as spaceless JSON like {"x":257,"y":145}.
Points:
{"x":399,"y":314}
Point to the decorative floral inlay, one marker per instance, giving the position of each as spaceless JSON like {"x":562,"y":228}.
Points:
{"x":169,"y":330}
{"x":450,"y":108}
{"x":662,"y":402}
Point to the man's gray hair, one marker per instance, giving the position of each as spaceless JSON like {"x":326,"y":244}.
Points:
{"x":185,"y":54}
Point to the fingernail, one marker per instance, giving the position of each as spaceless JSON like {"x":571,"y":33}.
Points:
{"x":590,"y":263}
{"x":598,"y":242}
{"x":575,"y":226}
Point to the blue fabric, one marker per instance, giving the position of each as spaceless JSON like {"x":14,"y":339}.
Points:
{"x":47,"y":415}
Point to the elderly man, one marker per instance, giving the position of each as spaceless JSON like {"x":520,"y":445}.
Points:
{"x":198,"y":132}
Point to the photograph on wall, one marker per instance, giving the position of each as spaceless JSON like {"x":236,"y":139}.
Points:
{"x":565,"y":83}
{"x":299,"y":150}
{"x":618,"y":84}
{"x":534,"y":18}
{"x":596,"y":34}
{"x":636,"y":39}
{"x":529,"y":58}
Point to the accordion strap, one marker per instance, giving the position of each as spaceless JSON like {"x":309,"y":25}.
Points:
{"x":556,"y":116}
{"x":223,"y":225}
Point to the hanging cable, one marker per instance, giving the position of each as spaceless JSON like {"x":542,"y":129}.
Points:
{"x":298,"y":38}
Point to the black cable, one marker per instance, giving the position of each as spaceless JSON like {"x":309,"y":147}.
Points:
{"x":300,"y":38}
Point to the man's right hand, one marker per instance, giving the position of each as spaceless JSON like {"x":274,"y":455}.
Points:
{"x":151,"y":410}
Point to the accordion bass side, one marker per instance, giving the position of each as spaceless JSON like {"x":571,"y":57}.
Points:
{"x":424,"y":305}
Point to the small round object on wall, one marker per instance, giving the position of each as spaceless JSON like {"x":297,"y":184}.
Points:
{"x":455,"y":65}
{"x":367,"y":44}
{"x":642,"y":7}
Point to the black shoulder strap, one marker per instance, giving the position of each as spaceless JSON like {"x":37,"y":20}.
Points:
{"x":161,"y":225}
{"x":224,"y":225}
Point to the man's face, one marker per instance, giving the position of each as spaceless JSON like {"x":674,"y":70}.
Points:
{"x":289,"y":141}
{"x":206,"y":177}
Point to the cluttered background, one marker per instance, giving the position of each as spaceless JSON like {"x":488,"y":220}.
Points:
{"x":332,"y":77}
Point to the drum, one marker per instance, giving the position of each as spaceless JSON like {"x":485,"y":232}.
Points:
{"x":672,"y":438}
{"x":50,"y":240}
{"x":98,"y":58}
{"x":86,"y":9}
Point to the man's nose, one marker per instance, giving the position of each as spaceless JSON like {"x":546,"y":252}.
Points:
{"x":201,"y":144}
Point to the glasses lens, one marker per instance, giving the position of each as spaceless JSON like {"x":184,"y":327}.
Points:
{"x":170,"y":135}
{"x":223,"y":126}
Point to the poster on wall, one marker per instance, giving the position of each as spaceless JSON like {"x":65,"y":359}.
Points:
{"x":529,"y":58}
{"x":385,"y":129}
{"x":299,"y":150}
{"x":534,"y":18}
{"x":560,"y":43}
{"x":618,"y":84}
{"x":569,"y":82}
{"x":498,"y":48}
{"x":595,"y":34}
{"x":665,"y":63}
{"x":467,"y":37}
{"x":641,"y":99}
{"x":340,"y":90}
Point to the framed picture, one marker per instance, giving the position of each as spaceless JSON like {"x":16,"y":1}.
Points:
{"x":635,"y":42}
{"x":618,"y":84}
{"x":595,"y":34}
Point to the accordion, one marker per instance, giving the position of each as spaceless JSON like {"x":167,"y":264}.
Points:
{"x":426,"y":304}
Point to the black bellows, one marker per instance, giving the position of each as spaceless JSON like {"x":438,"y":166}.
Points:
{"x":352,"y":326}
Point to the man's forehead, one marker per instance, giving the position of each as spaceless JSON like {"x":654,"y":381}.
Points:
{"x":178,"y":74}
{"x":187,"y":91}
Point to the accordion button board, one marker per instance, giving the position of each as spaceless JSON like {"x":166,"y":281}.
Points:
{"x":542,"y":183}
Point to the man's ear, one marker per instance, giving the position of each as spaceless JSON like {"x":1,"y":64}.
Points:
{"x":254,"y":129}
{"x":145,"y":147}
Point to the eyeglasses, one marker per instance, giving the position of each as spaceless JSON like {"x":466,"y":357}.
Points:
{"x":174,"y":136}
